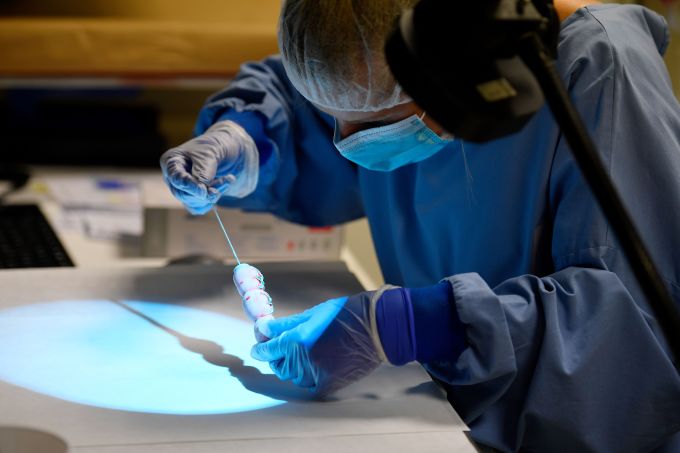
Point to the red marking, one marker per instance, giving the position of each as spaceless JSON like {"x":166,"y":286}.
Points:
{"x":290,"y":246}
{"x":320,"y":229}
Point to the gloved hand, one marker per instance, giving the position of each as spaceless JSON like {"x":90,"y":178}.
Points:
{"x":326,"y":347}
{"x":222,"y":161}
{"x":342,"y":340}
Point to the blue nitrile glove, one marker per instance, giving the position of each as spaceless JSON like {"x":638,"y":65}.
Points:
{"x":340,"y":341}
{"x":222,"y":161}
{"x":323,"y":348}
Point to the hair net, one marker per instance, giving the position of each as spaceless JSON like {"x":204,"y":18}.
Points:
{"x":332,"y":51}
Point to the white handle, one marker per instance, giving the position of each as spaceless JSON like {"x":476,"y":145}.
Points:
{"x":257,"y":304}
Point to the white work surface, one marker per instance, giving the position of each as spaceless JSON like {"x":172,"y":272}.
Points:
{"x":393,"y":409}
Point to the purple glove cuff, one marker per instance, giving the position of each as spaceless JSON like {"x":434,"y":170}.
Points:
{"x":420,"y":324}
{"x":394,"y":318}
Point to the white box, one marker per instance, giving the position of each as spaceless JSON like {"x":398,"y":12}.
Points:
{"x":256,"y":236}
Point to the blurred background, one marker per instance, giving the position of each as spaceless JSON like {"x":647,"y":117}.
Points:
{"x":141,"y":69}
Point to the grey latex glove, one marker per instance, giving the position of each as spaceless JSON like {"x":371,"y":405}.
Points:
{"x":223,"y":161}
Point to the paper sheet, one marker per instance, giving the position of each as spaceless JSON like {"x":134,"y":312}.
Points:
{"x":98,"y":207}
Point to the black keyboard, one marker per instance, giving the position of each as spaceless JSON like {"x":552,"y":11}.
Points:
{"x":28,"y":240}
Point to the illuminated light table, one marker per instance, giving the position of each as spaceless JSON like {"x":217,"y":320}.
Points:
{"x":157,"y":360}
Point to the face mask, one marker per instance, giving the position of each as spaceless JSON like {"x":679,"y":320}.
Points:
{"x":389,"y":147}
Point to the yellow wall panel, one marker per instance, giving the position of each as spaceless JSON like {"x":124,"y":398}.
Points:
{"x":201,"y":38}
{"x":255,"y":12}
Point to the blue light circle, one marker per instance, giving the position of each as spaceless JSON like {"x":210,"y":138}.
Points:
{"x":128,"y":356}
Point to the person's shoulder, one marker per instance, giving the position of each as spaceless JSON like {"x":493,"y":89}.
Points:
{"x":614,"y":21}
{"x":603,"y":36}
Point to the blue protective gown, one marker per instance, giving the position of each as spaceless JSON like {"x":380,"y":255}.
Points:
{"x":564,"y":353}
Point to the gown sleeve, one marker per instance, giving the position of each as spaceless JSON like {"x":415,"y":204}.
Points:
{"x":576,"y":358}
{"x":303,"y":178}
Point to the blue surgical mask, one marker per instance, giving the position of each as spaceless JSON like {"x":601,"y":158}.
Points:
{"x":389,"y":147}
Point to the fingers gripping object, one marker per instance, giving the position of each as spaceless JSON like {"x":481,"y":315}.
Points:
{"x":257,"y":303}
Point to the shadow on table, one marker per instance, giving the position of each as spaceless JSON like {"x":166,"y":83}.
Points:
{"x":250,"y":377}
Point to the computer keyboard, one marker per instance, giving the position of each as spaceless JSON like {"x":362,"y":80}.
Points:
{"x":28,"y":240}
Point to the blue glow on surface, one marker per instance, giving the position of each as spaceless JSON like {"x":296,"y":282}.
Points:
{"x":134,"y":356}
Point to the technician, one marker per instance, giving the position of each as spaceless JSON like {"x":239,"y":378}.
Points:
{"x":511,"y":289}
